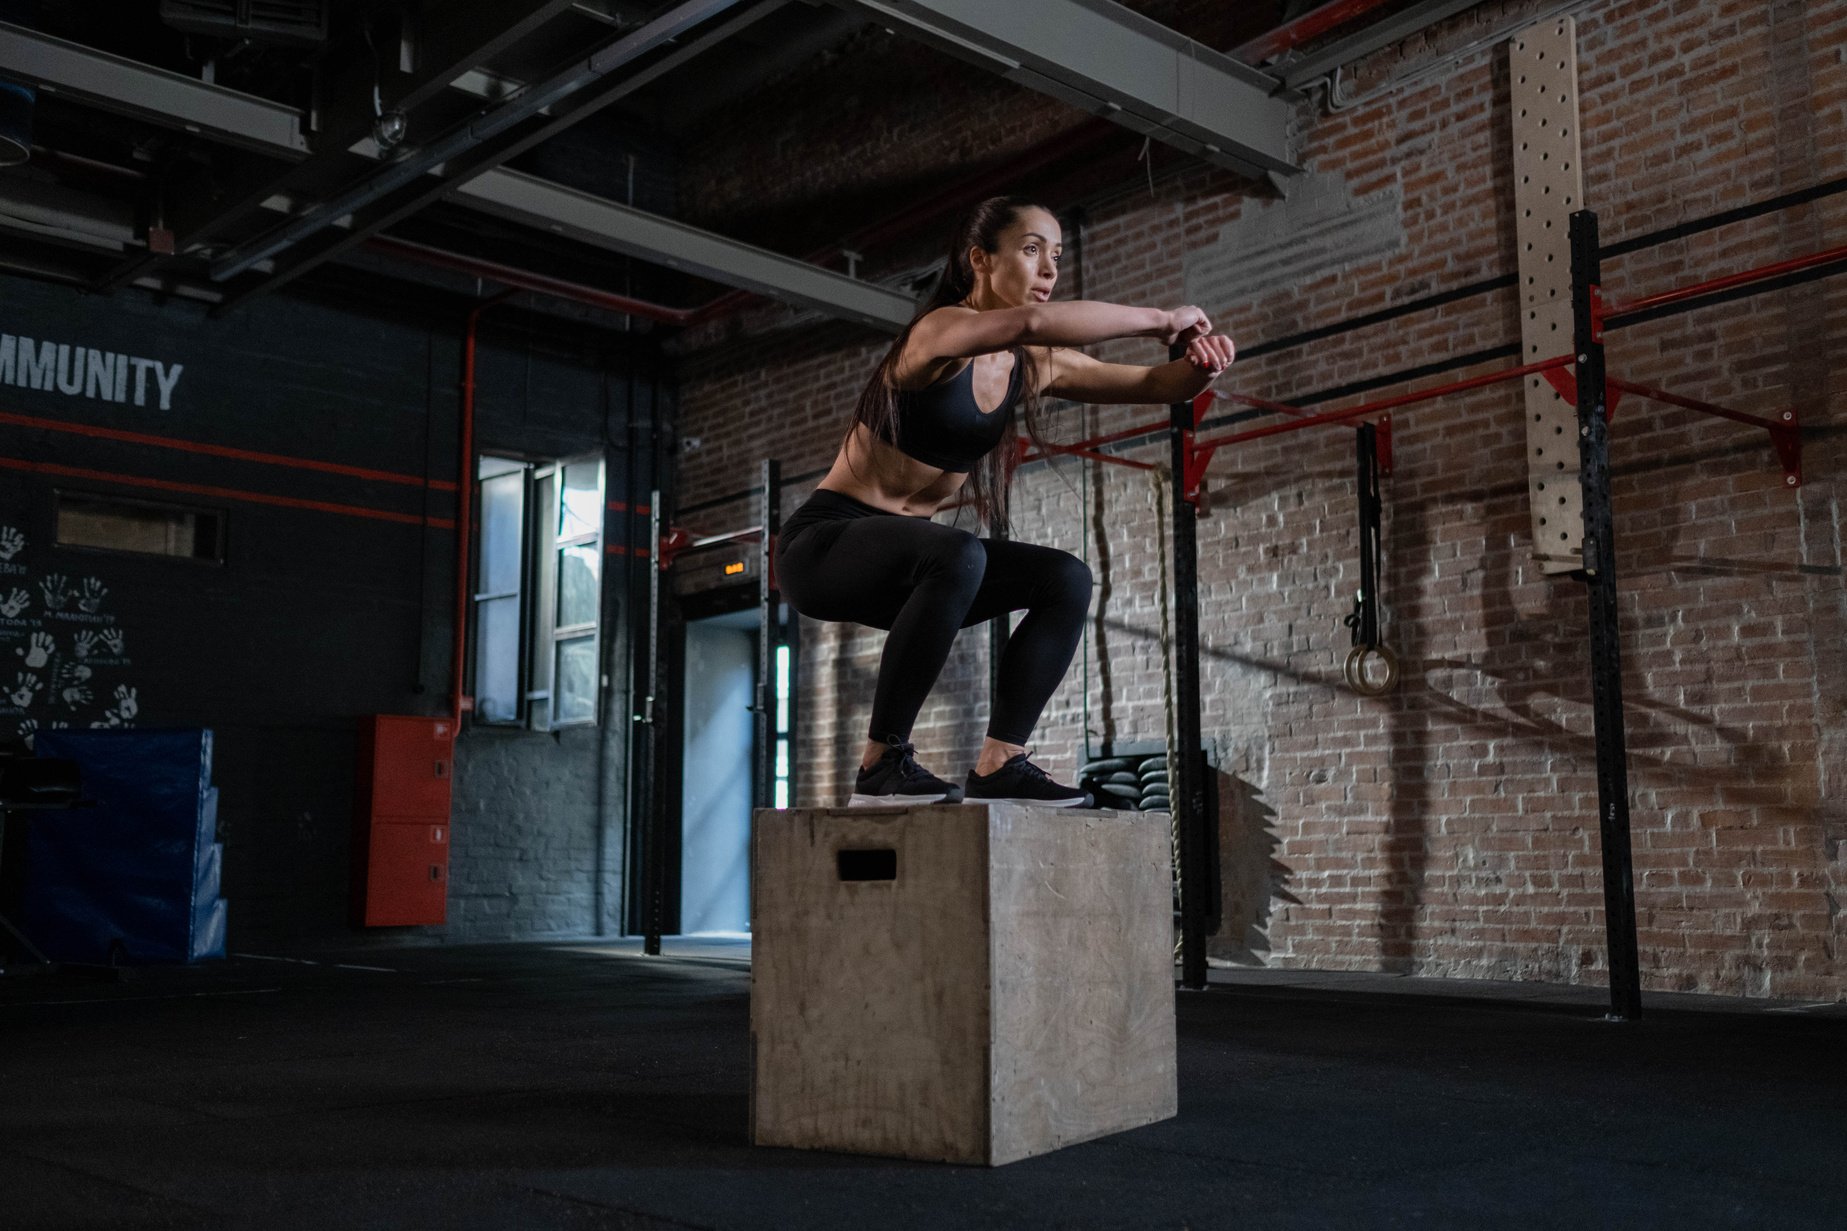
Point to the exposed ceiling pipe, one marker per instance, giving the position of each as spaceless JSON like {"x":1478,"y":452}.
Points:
{"x":526,"y":280}
{"x":53,"y":211}
{"x":1311,"y":25}
{"x":16,"y":103}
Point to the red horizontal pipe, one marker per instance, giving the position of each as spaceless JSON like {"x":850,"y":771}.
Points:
{"x":1728,"y":282}
{"x":222,"y":493}
{"x":1406,"y":399}
{"x":242,"y":455}
{"x":1266,"y":47}
{"x":1707,"y":408}
{"x":526,"y":280}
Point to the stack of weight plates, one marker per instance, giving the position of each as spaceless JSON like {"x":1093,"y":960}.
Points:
{"x":1152,"y":779}
{"x":1129,"y":783}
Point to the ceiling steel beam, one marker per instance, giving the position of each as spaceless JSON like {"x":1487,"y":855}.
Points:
{"x":1110,"y":61}
{"x":453,"y":40}
{"x":455,"y":146}
{"x":443,"y":57}
{"x":632,"y":232}
{"x":372,"y":214}
{"x":1399,"y":26}
{"x":96,"y":78}
{"x":173,"y":101}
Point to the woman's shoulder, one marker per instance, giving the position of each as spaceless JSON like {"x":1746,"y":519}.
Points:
{"x":918,"y":365}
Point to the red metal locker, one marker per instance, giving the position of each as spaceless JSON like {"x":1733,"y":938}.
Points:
{"x":401,"y":821}
{"x":408,"y":880}
{"x":405,"y":764}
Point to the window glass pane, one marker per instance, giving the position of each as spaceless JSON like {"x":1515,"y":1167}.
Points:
{"x":501,"y":514}
{"x":138,"y":526}
{"x":574,"y":688}
{"x":497,"y":661}
{"x":580,"y":512}
{"x":492,"y":467}
{"x":577,"y":576}
{"x":782,"y":795}
{"x":782,"y":758}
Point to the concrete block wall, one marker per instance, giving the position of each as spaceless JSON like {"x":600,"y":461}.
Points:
{"x":1450,"y":828}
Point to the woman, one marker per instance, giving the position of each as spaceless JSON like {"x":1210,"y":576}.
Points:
{"x":937,"y":415}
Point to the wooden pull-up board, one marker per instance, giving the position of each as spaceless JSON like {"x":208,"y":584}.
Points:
{"x":1548,"y":189}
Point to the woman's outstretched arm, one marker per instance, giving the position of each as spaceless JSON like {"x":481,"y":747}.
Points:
{"x":959,"y":333}
{"x":1077,"y":376}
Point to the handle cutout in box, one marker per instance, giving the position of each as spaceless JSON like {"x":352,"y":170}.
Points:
{"x":878,"y":864}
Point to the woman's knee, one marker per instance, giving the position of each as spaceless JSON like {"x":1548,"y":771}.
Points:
{"x":1068,"y":581}
{"x":960,"y":560}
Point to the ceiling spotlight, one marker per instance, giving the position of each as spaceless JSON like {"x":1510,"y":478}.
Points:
{"x":15,"y":122}
{"x":390,"y":129}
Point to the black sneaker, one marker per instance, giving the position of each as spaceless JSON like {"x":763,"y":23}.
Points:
{"x":1019,"y":781}
{"x":896,"y":778}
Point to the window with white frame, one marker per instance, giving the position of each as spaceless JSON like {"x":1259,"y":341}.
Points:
{"x":538,"y":602}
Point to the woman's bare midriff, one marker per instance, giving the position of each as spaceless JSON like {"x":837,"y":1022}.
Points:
{"x":873,"y":472}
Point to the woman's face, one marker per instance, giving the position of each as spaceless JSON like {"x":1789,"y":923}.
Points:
{"x":1023,"y":268}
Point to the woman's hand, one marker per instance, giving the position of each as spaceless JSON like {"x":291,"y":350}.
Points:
{"x":1184,"y":325}
{"x":1211,"y":354}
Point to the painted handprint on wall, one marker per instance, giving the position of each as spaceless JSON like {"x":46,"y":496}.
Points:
{"x":12,"y":542}
{"x":14,"y":603}
{"x":89,"y":644}
{"x":57,"y":591}
{"x":93,"y":592}
{"x":39,"y":651}
{"x":126,"y":703}
{"x":75,"y":695}
{"x":28,"y":732}
{"x":26,"y":686}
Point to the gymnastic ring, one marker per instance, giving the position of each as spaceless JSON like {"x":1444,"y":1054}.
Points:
{"x":1355,"y":670}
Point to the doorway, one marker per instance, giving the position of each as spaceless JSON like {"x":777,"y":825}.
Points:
{"x":715,"y":787}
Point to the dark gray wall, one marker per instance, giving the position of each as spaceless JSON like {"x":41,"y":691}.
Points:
{"x":318,"y":616}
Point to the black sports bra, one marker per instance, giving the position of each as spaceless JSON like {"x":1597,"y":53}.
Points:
{"x":941,"y":425}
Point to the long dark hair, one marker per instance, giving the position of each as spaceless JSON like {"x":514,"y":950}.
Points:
{"x":988,"y":481}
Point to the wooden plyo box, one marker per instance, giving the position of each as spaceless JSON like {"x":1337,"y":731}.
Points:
{"x":969,"y":984}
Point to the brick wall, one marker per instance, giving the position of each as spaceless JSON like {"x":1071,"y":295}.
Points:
{"x":1449,"y":828}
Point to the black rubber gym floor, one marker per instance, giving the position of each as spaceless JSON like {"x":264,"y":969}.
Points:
{"x":585,"y":1086}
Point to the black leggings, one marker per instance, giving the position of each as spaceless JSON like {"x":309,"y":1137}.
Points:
{"x":840,"y":560}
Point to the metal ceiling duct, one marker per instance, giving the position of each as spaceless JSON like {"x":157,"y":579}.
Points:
{"x":16,"y":103}
{"x":298,"y":23}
